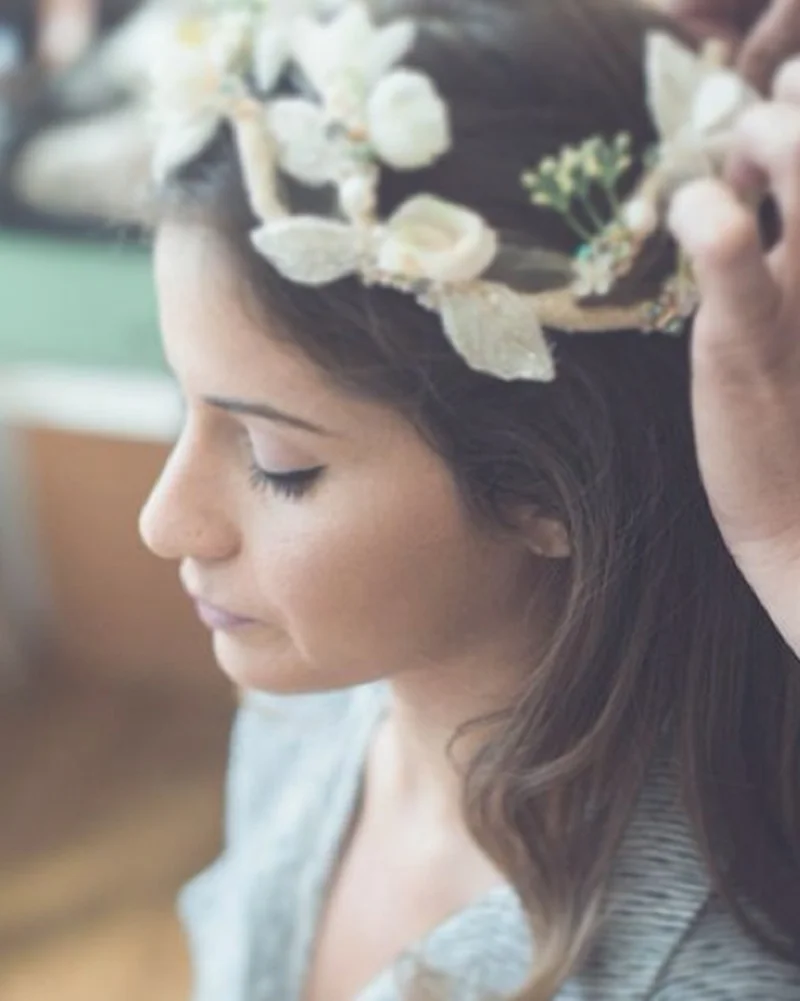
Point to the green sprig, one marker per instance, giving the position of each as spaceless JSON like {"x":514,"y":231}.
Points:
{"x":569,"y":182}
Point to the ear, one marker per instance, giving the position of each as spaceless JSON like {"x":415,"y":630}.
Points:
{"x":546,"y":538}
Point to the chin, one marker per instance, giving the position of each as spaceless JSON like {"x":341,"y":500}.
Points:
{"x":278,"y":672}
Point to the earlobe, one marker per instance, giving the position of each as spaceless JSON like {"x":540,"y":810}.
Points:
{"x":548,"y":538}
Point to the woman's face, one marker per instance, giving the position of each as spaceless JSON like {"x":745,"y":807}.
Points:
{"x":323,"y":539}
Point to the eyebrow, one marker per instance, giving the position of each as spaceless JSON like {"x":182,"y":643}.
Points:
{"x":267,"y":413}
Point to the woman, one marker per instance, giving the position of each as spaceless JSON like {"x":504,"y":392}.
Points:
{"x":529,"y":732}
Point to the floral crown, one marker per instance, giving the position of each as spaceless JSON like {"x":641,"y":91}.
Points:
{"x":365,"y":111}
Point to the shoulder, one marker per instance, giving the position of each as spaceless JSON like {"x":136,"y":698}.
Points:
{"x":280,"y":741}
{"x":666,"y":935}
{"x":717,"y":961}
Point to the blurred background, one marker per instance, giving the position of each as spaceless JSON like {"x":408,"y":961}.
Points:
{"x":113,"y":719}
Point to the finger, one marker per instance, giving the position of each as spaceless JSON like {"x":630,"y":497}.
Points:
{"x":786,"y":86}
{"x":704,"y":19}
{"x":740,"y":300}
{"x":775,"y":38}
{"x":728,"y":15}
{"x":703,"y":28}
{"x":768,"y":138}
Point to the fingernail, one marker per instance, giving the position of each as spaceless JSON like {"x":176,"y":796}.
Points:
{"x":684,"y":211}
{"x":698,"y":213}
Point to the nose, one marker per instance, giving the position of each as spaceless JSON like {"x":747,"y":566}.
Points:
{"x":185,"y":516}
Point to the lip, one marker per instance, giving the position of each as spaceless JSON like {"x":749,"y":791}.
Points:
{"x":218,"y":619}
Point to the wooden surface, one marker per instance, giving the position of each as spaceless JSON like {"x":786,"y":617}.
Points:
{"x":111,"y":799}
{"x":118,"y":613}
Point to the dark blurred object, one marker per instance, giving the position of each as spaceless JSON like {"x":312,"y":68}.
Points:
{"x":72,"y":137}
{"x":24,"y":15}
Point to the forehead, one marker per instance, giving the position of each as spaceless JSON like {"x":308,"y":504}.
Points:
{"x":215,"y":336}
{"x":220,"y":346}
{"x":219,"y":343}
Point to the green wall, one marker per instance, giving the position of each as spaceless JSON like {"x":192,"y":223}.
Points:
{"x":76,"y":304}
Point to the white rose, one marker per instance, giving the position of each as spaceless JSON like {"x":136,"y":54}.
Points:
{"x":408,"y":122}
{"x":433,"y":239}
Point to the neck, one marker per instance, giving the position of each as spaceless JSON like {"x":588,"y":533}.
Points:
{"x":417,"y":763}
{"x":419,"y":759}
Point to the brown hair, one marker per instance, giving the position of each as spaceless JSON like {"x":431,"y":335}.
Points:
{"x":660,"y":642}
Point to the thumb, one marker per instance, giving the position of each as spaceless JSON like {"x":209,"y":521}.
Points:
{"x":738,"y":324}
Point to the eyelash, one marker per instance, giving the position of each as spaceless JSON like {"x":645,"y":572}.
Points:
{"x":292,"y":485}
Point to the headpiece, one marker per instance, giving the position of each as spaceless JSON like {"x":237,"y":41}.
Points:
{"x":361,"y":111}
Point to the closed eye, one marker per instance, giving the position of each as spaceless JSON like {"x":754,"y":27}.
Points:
{"x":294,"y":484}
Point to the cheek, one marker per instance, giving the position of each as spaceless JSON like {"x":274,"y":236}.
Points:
{"x":388,"y":571}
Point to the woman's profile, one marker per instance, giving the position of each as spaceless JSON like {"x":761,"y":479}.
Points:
{"x":514,"y":725}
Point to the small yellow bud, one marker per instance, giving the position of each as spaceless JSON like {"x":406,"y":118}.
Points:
{"x":193,"y":32}
{"x":570,"y":159}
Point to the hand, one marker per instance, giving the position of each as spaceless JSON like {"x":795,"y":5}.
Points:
{"x":746,"y":351}
{"x":764,"y":32}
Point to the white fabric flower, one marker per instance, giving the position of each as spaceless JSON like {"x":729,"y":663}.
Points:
{"x":673,"y":75}
{"x":408,"y":121}
{"x":310,"y":251}
{"x":198,"y":57}
{"x":349,"y":45}
{"x":691,"y":99}
{"x":428,"y":238}
{"x":272,"y":47}
{"x":695,"y":103}
{"x":594,"y":275}
{"x":719,"y":100}
{"x":305,"y":150}
{"x":497,"y":331}
{"x":272,"y":38}
{"x":188,"y":74}
{"x":181,"y":141}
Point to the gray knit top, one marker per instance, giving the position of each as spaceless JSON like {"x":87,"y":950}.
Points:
{"x":294,"y":781}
